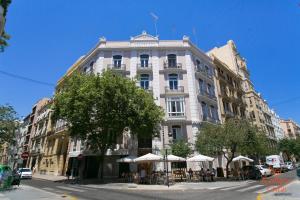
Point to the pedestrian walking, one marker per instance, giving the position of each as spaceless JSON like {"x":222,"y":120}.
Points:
{"x":68,"y":173}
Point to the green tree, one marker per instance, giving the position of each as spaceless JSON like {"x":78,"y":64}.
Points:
{"x":99,"y":108}
{"x":181,"y":148}
{"x":3,"y":35}
{"x":8,"y":125}
{"x":228,"y":139}
{"x":290,"y":147}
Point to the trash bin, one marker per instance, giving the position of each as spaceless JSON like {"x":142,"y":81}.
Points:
{"x":5,"y":177}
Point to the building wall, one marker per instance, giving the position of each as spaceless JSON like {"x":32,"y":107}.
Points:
{"x":291,"y":129}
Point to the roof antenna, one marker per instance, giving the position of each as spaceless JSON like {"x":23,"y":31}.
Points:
{"x":195,"y":36}
{"x":155,"y":18}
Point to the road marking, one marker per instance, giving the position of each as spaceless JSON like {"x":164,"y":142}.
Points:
{"x":71,"y":189}
{"x":214,"y":188}
{"x":251,"y":181}
{"x":82,"y":187}
{"x":234,"y":187}
{"x":47,"y":188}
{"x":267,"y":189}
{"x":250,"y":188}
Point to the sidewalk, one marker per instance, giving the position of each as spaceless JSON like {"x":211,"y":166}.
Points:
{"x":48,"y":177}
{"x":290,"y":192}
{"x":27,"y":192}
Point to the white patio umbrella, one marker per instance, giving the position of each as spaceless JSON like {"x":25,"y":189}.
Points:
{"x":200,"y":158}
{"x":239,"y":158}
{"x":149,"y":158}
{"x":127,"y":159}
{"x":173,"y":158}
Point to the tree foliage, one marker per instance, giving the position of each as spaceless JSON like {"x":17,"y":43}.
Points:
{"x":181,"y":148}
{"x":228,"y":139}
{"x":8,"y":124}
{"x":99,"y":108}
{"x":290,"y":147}
{"x":4,"y":36}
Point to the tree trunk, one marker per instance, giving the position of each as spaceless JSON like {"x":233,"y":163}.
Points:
{"x":227,"y":170}
{"x":101,"y":165}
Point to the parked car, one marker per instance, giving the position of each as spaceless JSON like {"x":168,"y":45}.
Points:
{"x":290,"y":165}
{"x":25,"y":173}
{"x":264,"y":170}
{"x":251,"y":172}
{"x":298,"y":172}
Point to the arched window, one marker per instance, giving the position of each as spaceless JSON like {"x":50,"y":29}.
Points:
{"x":117,"y":60}
{"x":144,"y":81}
{"x":173,"y":81}
{"x":172,"y":60}
{"x":144,"y":60}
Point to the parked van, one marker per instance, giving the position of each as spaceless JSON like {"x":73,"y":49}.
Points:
{"x":276,"y":162}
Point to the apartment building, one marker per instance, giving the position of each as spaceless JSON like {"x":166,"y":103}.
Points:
{"x":257,"y":109}
{"x":291,"y":128}
{"x":229,"y":90}
{"x":279,"y":133}
{"x":179,"y":75}
{"x":29,"y":145}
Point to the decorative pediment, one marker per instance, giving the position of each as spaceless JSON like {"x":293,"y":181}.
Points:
{"x":144,"y":37}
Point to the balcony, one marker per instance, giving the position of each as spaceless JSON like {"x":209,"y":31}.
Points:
{"x":121,"y":68}
{"x":176,"y":117}
{"x":174,"y":90}
{"x":202,"y":73}
{"x":144,"y":67}
{"x":206,"y":96}
{"x":175,"y":68}
{"x":206,"y":118}
{"x":61,"y":128}
{"x":229,"y":113}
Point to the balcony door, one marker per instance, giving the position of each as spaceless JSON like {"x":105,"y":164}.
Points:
{"x":117,"y":61}
{"x":172,"y":60}
{"x":144,"y":82}
{"x":173,"y":81}
{"x":144,"y":60}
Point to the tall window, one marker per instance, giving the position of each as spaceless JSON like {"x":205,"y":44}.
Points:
{"x":201,"y":86}
{"x":144,"y":82}
{"x":144,"y":60}
{"x":172,"y":60}
{"x":176,"y":132}
{"x":175,"y":106}
{"x":204,"y":110}
{"x":214,"y":113}
{"x":117,"y":60}
{"x":198,"y":64}
{"x":173,"y":81}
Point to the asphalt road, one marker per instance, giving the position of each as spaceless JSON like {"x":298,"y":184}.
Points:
{"x":250,"y":191}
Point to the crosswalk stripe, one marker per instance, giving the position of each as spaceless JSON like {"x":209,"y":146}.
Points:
{"x":267,"y":189}
{"x":250,"y":181}
{"x":47,"y":188}
{"x":234,"y":187}
{"x":71,"y":189}
{"x":214,"y":188}
{"x":250,"y":188}
{"x":81,"y":187}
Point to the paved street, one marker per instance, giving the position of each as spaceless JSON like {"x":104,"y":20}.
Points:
{"x":216,"y":190}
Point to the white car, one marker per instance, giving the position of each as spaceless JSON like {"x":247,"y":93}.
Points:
{"x":264,"y":170}
{"x":25,"y":173}
{"x":289,"y":165}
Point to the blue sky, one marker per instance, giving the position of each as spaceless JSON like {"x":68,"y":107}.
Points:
{"x":48,"y":36}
